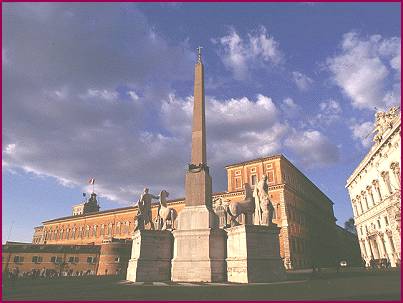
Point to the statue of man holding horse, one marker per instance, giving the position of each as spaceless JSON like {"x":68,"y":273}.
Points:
{"x":144,"y":215}
{"x":264,"y":209}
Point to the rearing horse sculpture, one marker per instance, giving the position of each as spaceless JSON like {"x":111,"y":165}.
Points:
{"x":246,"y":207}
{"x":166,"y":213}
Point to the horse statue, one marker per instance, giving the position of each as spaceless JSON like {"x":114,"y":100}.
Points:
{"x":166,"y":213}
{"x":246,"y":207}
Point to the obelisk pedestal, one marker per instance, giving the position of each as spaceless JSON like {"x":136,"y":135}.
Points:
{"x":151,"y":256}
{"x":253,"y":254}
{"x":200,"y":246}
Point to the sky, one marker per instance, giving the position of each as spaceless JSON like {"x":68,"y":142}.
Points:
{"x":104,"y":91}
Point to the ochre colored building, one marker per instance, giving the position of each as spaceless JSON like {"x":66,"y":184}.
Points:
{"x":309,"y":234}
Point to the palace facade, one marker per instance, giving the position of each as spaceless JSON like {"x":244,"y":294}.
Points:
{"x":374,"y":189}
{"x":308,"y":235}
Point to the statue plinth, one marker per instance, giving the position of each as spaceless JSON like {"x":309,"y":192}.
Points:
{"x":151,"y":256}
{"x":253,"y":254}
{"x":199,"y":255}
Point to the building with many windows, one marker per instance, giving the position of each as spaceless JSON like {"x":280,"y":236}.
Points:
{"x":374,"y":189}
{"x":309,"y":234}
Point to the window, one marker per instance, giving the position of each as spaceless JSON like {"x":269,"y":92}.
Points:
{"x":238,"y":183}
{"x":386,"y":221}
{"x":91,"y":260}
{"x":117,"y":259}
{"x":379,"y":223}
{"x":386,"y":180}
{"x":37,"y":259}
{"x":270,"y":176}
{"x":253,"y":170}
{"x":56,"y":259}
{"x":18,"y":259}
{"x":396,"y":171}
{"x":73,"y":259}
{"x":253,"y":179}
{"x":237,"y":173}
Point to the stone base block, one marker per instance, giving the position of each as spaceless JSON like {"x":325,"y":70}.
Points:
{"x":197,"y":217}
{"x":199,"y":256}
{"x":151,"y":256}
{"x":253,"y":254}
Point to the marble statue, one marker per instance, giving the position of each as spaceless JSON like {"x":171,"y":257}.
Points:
{"x":165,"y":213}
{"x":144,"y":215}
{"x":383,"y":122}
{"x":263,"y":207}
{"x":246,"y":207}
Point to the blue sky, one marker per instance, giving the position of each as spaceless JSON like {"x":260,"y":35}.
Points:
{"x":105,"y":91}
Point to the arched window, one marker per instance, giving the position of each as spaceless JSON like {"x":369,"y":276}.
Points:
{"x":358,"y":199}
{"x":117,"y":229}
{"x":364,"y":196}
{"x":386,"y":180}
{"x":87,"y":231}
{"x":102,"y":229}
{"x":67,"y":233}
{"x":73,"y":233}
{"x":355,"y":209}
{"x":110,"y":226}
{"x":375,"y":183}
{"x":95,"y":229}
{"x":371,"y":195}
{"x":396,"y":171}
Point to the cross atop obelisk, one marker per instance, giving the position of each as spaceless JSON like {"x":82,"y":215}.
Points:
{"x":199,"y":124}
{"x":199,"y":53}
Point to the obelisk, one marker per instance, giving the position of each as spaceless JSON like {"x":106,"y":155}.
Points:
{"x":200,"y":246}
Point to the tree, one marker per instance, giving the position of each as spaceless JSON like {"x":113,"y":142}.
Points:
{"x":349,"y":226}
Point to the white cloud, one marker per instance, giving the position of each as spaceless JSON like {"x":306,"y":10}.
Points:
{"x":302,"y":81}
{"x":313,"y":148}
{"x":133,"y":95}
{"x":241,"y":55}
{"x":48,"y":97}
{"x":103,"y":94}
{"x":10,"y":148}
{"x":362,"y":132}
{"x":368,"y":70}
{"x":290,"y":108}
{"x":329,"y":112}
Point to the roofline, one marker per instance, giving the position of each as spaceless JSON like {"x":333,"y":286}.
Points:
{"x":280,"y":156}
{"x":371,"y":153}
{"x":255,"y":160}
{"x":173,"y":201}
